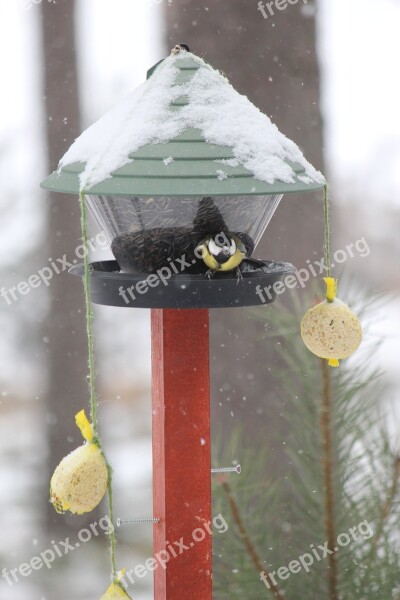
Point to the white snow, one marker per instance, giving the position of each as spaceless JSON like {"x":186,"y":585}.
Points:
{"x":230,"y":162}
{"x":224,"y":116}
{"x":168,"y":161}
{"x":221,"y":175}
{"x":304,"y":179}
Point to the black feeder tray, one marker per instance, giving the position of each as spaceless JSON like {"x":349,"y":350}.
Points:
{"x":112,"y":287}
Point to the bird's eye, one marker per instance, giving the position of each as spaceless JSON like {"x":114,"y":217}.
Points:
{"x":232,"y":248}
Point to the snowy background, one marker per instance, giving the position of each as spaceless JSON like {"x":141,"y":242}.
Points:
{"x":118,"y":40}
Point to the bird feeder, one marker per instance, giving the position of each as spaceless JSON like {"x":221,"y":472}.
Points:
{"x":182,"y":159}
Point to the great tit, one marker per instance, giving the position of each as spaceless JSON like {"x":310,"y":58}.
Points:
{"x":222,"y":252}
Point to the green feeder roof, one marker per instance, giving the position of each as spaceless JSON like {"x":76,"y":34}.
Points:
{"x":189,"y":162}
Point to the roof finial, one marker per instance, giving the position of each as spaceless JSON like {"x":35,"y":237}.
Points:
{"x":179,"y":47}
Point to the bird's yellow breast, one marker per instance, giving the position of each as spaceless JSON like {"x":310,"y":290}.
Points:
{"x":214,"y":265}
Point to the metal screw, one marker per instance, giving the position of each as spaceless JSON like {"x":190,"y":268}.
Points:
{"x":136,"y":521}
{"x":237,"y":469}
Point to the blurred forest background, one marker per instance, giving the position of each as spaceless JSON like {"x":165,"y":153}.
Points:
{"x":313,"y":69}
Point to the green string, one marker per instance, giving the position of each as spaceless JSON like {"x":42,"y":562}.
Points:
{"x":327,"y":233}
{"x":112,"y":538}
{"x":89,"y":316}
{"x":92,"y":387}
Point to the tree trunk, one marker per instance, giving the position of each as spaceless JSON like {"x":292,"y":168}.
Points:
{"x":273,"y":61}
{"x":65,"y":327}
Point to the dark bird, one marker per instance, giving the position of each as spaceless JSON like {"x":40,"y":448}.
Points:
{"x":179,"y":47}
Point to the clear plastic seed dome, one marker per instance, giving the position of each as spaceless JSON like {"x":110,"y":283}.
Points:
{"x":145,"y":232}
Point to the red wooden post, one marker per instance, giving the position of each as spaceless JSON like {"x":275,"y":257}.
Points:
{"x":181,"y":453}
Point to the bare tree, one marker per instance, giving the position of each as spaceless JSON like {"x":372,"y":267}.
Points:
{"x":65,"y":327}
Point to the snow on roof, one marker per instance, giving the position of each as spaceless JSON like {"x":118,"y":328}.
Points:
{"x":224,"y":117}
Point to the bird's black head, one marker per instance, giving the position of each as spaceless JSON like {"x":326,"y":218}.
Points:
{"x":179,"y":47}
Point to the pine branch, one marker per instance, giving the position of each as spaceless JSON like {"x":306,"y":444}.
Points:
{"x":329,"y":483}
{"x":250,"y":548}
{"x":385,"y":512}
{"x":328,"y":469}
{"x":388,"y":503}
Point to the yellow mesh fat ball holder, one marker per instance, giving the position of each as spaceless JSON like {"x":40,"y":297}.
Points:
{"x":330,"y":329}
{"x":80,"y":480}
